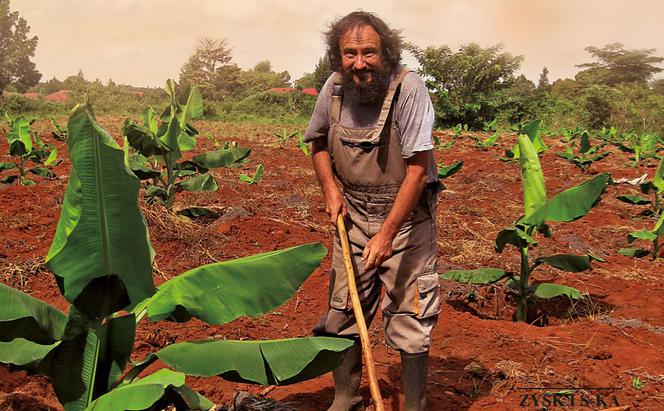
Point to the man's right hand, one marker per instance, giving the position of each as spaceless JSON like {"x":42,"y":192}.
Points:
{"x":335,"y":204}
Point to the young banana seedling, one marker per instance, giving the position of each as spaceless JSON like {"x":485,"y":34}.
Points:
{"x":160,"y":142}
{"x":586,"y":153}
{"x":27,"y":146}
{"x":656,"y":234}
{"x":534,"y":133}
{"x":568,"y":205}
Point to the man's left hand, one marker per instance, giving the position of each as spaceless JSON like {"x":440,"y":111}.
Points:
{"x":377,"y":250}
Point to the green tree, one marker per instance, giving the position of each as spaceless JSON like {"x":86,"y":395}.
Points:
{"x":261,"y":78}
{"x":517,"y":103}
{"x":16,"y":50}
{"x":207,"y":65}
{"x":658,"y":86}
{"x":615,"y":65}
{"x":465,"y":82}
{"x":317,"y":78}
{"x":543,"y":82}
{"x":77,"y":82}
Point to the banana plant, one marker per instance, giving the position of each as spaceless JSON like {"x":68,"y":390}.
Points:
{"x":656,"y":187}
{"x":26,"y":145}
{"x":101,"y":258}
{"x":490,"y":141}
{"x":570,"y":134}
{"x":440,"y":145}
{"x":258,"y":175}
{"x":284,"y":135}
{"x":60,"y":132}
{"x":446,"y":171}
{"x":566,"y":206}
{"x":641,"y":146}
{"x":459,"y":129}
{"x":160,"y":142}
{"x":534,"y":133}
{"x":587,"y":154}
{"x":609,"y":135}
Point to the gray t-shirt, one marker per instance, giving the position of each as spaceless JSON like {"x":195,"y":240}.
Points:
{"x":414,"y":117}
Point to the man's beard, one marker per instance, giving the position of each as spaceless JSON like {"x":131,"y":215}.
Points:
{"x":366,"y":92}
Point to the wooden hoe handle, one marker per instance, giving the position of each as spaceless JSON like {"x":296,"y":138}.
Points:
{"x":359,"y":316}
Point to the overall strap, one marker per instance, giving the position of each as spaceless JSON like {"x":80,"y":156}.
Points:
{"x":337,"y":92}
{"x":387,"y":103}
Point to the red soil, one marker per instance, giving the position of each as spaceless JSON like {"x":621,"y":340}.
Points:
{"x":480,"y":359}
{"x":58,"y":96}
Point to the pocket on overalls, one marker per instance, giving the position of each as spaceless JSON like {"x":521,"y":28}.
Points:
{"x":338,"y":289}
{"x":428,"y":298}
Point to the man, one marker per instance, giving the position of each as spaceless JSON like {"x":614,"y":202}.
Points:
{"x":371,"y":128}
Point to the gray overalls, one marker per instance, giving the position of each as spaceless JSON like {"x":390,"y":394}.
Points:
{"x":369,"y":165}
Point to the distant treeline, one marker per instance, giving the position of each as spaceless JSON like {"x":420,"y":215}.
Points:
{"x":472,"y":85}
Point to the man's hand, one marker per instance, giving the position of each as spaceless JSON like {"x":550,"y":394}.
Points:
{"x":379,"y":247}
{"x":334,"y":204}
{"x":377,"y":250}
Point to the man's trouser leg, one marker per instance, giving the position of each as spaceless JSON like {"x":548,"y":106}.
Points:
{"x":340,"y":320}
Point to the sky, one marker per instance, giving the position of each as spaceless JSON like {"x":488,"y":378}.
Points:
{"x":145,"y":42}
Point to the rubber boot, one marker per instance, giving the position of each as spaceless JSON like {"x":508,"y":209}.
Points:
{"x":414,"y":369}
{"x":347,"y":377}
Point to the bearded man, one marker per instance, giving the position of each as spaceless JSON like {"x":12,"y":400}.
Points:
{"x":371,"y":128}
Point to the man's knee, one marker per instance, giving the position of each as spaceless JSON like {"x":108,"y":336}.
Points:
{"x":407,"y":332}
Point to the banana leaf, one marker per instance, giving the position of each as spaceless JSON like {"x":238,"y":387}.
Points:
{"x":221,"y":292}
{"x":566,"y":262}
{"x":7,"y":166}
{"x":202,"y":182}
{"x":570,"y":204}
{"x":270,"y":362}
{"x":141,"y":167}
{"x":146,"y":393}
{"x":532,"y":178}
{"x":477,"y":276}
{"x":51,"y":157}
{"x":42,"y":171}
{"x":641,"y":235}
{"x":446,"y":171}
{"x":23,"y":316}
{"x":101,"y":233}
{"x":221,"y":158}
{"x":255,"y":178}
{"x":633,"y":199}
{"x":88,"y":361}
{"x":150,"y":120}
{"x":658,"y":180}
{"x":548,"y":290}
{"x":24,"y":354}
{"x":532,"y":130}
{"x":515,"y":236}
{"x":198,"y":212}
{"x":490,"y":141}
{"x":19,"y":138}
{"x":585,"y":143}
{"x":143,"y":139}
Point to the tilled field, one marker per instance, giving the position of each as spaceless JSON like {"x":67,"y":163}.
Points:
{"x":480,"y":359}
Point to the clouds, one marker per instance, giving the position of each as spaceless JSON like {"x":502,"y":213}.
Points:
{"x":145,"y":42}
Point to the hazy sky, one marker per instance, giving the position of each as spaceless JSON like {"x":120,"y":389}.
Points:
{"x":144,"y":42}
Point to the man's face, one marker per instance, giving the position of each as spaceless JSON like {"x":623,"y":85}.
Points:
{"x":364,"y":74}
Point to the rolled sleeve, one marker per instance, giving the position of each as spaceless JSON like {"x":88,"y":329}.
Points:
{"x":415,"y":117}
{"x":319,"y":124}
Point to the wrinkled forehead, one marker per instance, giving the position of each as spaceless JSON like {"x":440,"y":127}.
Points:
{"x":360,"y":35}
